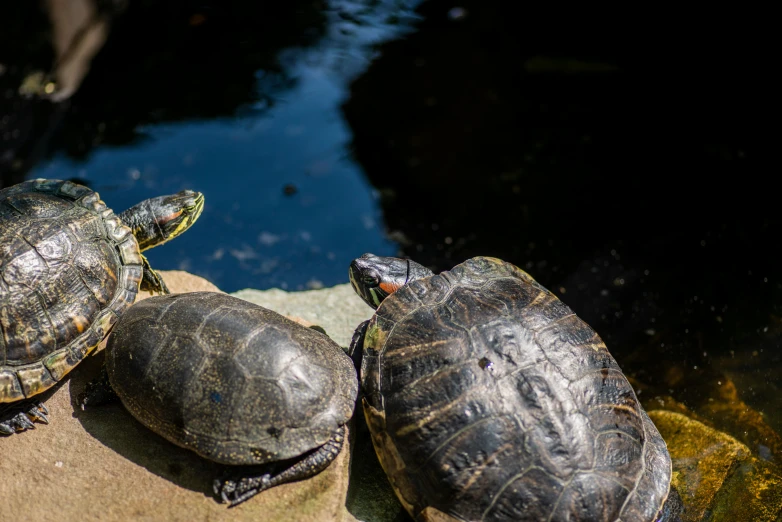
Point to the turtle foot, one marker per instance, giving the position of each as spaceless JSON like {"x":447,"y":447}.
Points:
{"x":234,"y":492}
{"x":242,"y":487}
{"x":21,"y":417}
{"x":151,"y":281}
{"x":356,"y":348}
{"x":98,"y":391}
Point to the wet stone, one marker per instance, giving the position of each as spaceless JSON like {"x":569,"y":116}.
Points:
{"x":717,"y":476}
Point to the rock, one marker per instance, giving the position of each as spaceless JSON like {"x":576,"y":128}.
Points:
{"x":716,"y":475}
{"x":716,"y":402}
{"x":103,"y":465}
{"x":179,"y":281}
{"x":187,"y":282}
{"x":338,"y":309}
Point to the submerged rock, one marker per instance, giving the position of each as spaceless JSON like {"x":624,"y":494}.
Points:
{"x":714,"y":400}
{"x":716,"y":475}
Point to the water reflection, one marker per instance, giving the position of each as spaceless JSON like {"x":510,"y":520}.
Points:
{"x":241,"y":104}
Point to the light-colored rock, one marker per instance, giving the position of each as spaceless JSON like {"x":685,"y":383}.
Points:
{"x":102,"y":465}
{"x":716,"y":475}
{"x":180,"y":281}
{"x":193,"y":283}
{"x":338,"y":309}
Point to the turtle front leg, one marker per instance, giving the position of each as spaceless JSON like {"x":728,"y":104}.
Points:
{"x":356,"y":348}
{"x":20,"y":416}
{"x":98,"y":391}
{"x":151,"y":280}
{"x":242,"y":487}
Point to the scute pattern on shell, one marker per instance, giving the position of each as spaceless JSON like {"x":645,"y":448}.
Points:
{"x":487,"y":397}
{"x":63,"y":281}
{"x":228,"y":379}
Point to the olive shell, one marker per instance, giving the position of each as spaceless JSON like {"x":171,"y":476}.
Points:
{"x":68,"y":269}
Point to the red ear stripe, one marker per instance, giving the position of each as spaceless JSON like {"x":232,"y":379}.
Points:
{"x":389,"y":288}
{"x":166,"y":219}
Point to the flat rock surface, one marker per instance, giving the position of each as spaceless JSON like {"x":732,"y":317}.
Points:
{"x":337,"y":309}
{"x":103,"y":465}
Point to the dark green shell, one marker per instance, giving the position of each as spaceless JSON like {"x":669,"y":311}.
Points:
{"x":228,"y":379}
{"x":68,"y":268}
{"x":489,"y":399}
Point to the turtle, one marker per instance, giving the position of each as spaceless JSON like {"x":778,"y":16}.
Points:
{"x":234,"y":382}
{"x":487,"y":398}
{"x":68,"y":268}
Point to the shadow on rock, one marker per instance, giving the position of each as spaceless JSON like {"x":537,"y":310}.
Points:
{"x":115,"y":427}
{"x":372,"y":497}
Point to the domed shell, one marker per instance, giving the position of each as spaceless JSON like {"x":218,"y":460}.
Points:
{"x":68,"y":269}
{"x":228,"y":379}
{"x":489,"y":399}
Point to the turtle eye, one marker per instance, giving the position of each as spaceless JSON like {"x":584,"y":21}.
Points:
{"x":370,"y":279}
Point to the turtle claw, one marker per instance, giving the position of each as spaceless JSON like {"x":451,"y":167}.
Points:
{"x":222,"y":488}
{"x":234,"y":493}
{"x":22,"y":420}
{"x":19,"y":422}
{"x":39,"y":416}
{"x":244,"y":496}
{"x":38,"y":413}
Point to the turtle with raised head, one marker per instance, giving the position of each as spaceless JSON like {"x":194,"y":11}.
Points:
{"x":488,"y":399}
{"x":234,"y":382}
{"x":68,"y":268}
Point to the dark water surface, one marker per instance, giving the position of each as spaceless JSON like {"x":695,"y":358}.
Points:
{"x":286,"y":204}
{"x":619,"y":163}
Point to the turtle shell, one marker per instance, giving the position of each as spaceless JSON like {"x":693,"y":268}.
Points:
{"x":234,"y":382}
{"x":488,"y":399}
{"x":68,"y":269}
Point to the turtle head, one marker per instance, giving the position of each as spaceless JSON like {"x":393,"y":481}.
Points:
{"x":374,"y":278}
{"x":157,"y":220}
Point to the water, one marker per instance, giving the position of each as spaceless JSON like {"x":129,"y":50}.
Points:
{"x":251,"y":233}
{"x":286,"y":204}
